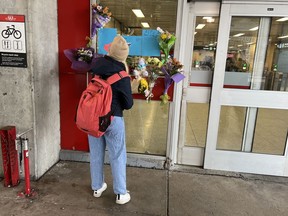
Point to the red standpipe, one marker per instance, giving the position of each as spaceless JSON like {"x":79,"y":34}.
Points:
{"x":9,"y":156}
{"x":26,"y":168}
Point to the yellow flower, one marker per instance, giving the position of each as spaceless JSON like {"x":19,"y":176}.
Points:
{"x":143,"y":85}
{"x":163,"y":36}
{"x":156,"y":60}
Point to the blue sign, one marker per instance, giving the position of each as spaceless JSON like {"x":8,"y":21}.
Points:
{"x":135,"y":48}
{"x":105,"y":37}
{"x":149,"y":32}
{"x":145,"y":45}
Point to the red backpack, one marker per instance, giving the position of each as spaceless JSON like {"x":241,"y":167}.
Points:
{"x":94,"y":113}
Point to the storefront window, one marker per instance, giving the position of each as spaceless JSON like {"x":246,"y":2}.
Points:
{"x":146,"y":128}
{"x":147,"y":122}
{"x":159,"y":13}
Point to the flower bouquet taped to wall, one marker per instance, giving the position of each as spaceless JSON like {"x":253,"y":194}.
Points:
{"x":173,"y":72}
{"x":146,"y":75}
{"x":148,"y":71}
{"x":166,"y":41}
{"x":172,"y":68}
{"x":82,"y":58}
{"x":100,"y":17}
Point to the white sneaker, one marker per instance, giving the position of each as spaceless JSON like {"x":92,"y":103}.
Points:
{"x":123,"y":199}
{"x":98,"y":193}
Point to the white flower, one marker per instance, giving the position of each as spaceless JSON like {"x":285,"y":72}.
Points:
{"x":160,"y":30}
{"x":135,"y":73}
{"x":145,"y":73}
{"x":141,"y":62}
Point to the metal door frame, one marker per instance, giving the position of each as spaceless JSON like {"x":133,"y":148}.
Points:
{"x":186,"y":154}
{"x":242,"y":161}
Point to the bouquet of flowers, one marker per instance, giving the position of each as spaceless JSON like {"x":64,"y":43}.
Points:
{"x":140,"y":84}
{"x":100,"y":17}
{"x":166,"y":41}
{"x":147,"y":73}
{"x":84,"y":54}
{"x":153,"y":67}
{"x":173,"y":73}
{"x":82,"y":58}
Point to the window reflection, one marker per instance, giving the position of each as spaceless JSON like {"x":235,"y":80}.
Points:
{"x":242,"y":44}
{"x":276,"y":64}
{"x":269,"y":136}
{"x":245,"y":73}
{"x":271,"y":131}
{"x":196,"y":124}
{"x":231,"y":128}
{"x":205,"y":42}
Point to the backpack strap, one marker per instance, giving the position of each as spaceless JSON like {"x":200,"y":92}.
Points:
{"x":117,"y":76}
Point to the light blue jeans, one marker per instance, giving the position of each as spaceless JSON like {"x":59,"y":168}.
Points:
{"x":114,"y":139}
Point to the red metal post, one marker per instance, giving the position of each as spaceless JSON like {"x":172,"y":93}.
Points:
{"x":26,"y":168}
{"x":10,"y":156}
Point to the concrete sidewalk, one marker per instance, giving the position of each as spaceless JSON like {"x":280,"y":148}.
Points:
{"x":65,"y":190}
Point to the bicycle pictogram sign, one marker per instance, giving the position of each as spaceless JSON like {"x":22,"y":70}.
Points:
{"x":12,"y":41}
{"x":6,"y":33}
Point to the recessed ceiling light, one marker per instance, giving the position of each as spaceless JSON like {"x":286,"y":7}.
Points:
{"x":200,"y":26}
{"x":238,"y":35}
{"x":254,"y":29}
{"x":285,"y":36}
{"x":282,"y":19}
{"x":145,"y":24}
{"x":209,"y":19}
{"x":138,"y":12}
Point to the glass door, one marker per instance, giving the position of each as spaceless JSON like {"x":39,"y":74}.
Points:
{"x":203,"y":28}
{"x":248,"y":117}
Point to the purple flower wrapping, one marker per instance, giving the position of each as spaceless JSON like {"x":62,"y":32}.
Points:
{"x":170,"y":79}
{"x":98,"y":21}
{"x":177,"y":77}
{"x":81,"y":66}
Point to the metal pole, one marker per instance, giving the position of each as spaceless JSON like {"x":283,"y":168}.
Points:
{"x":26,"y":168}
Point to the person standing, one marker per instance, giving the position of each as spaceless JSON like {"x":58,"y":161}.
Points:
{"x":114,"y":137}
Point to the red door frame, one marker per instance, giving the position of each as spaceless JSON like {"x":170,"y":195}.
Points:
{"x":73,"y":27}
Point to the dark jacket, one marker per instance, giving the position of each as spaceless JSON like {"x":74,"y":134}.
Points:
{"x":121,"y":90}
